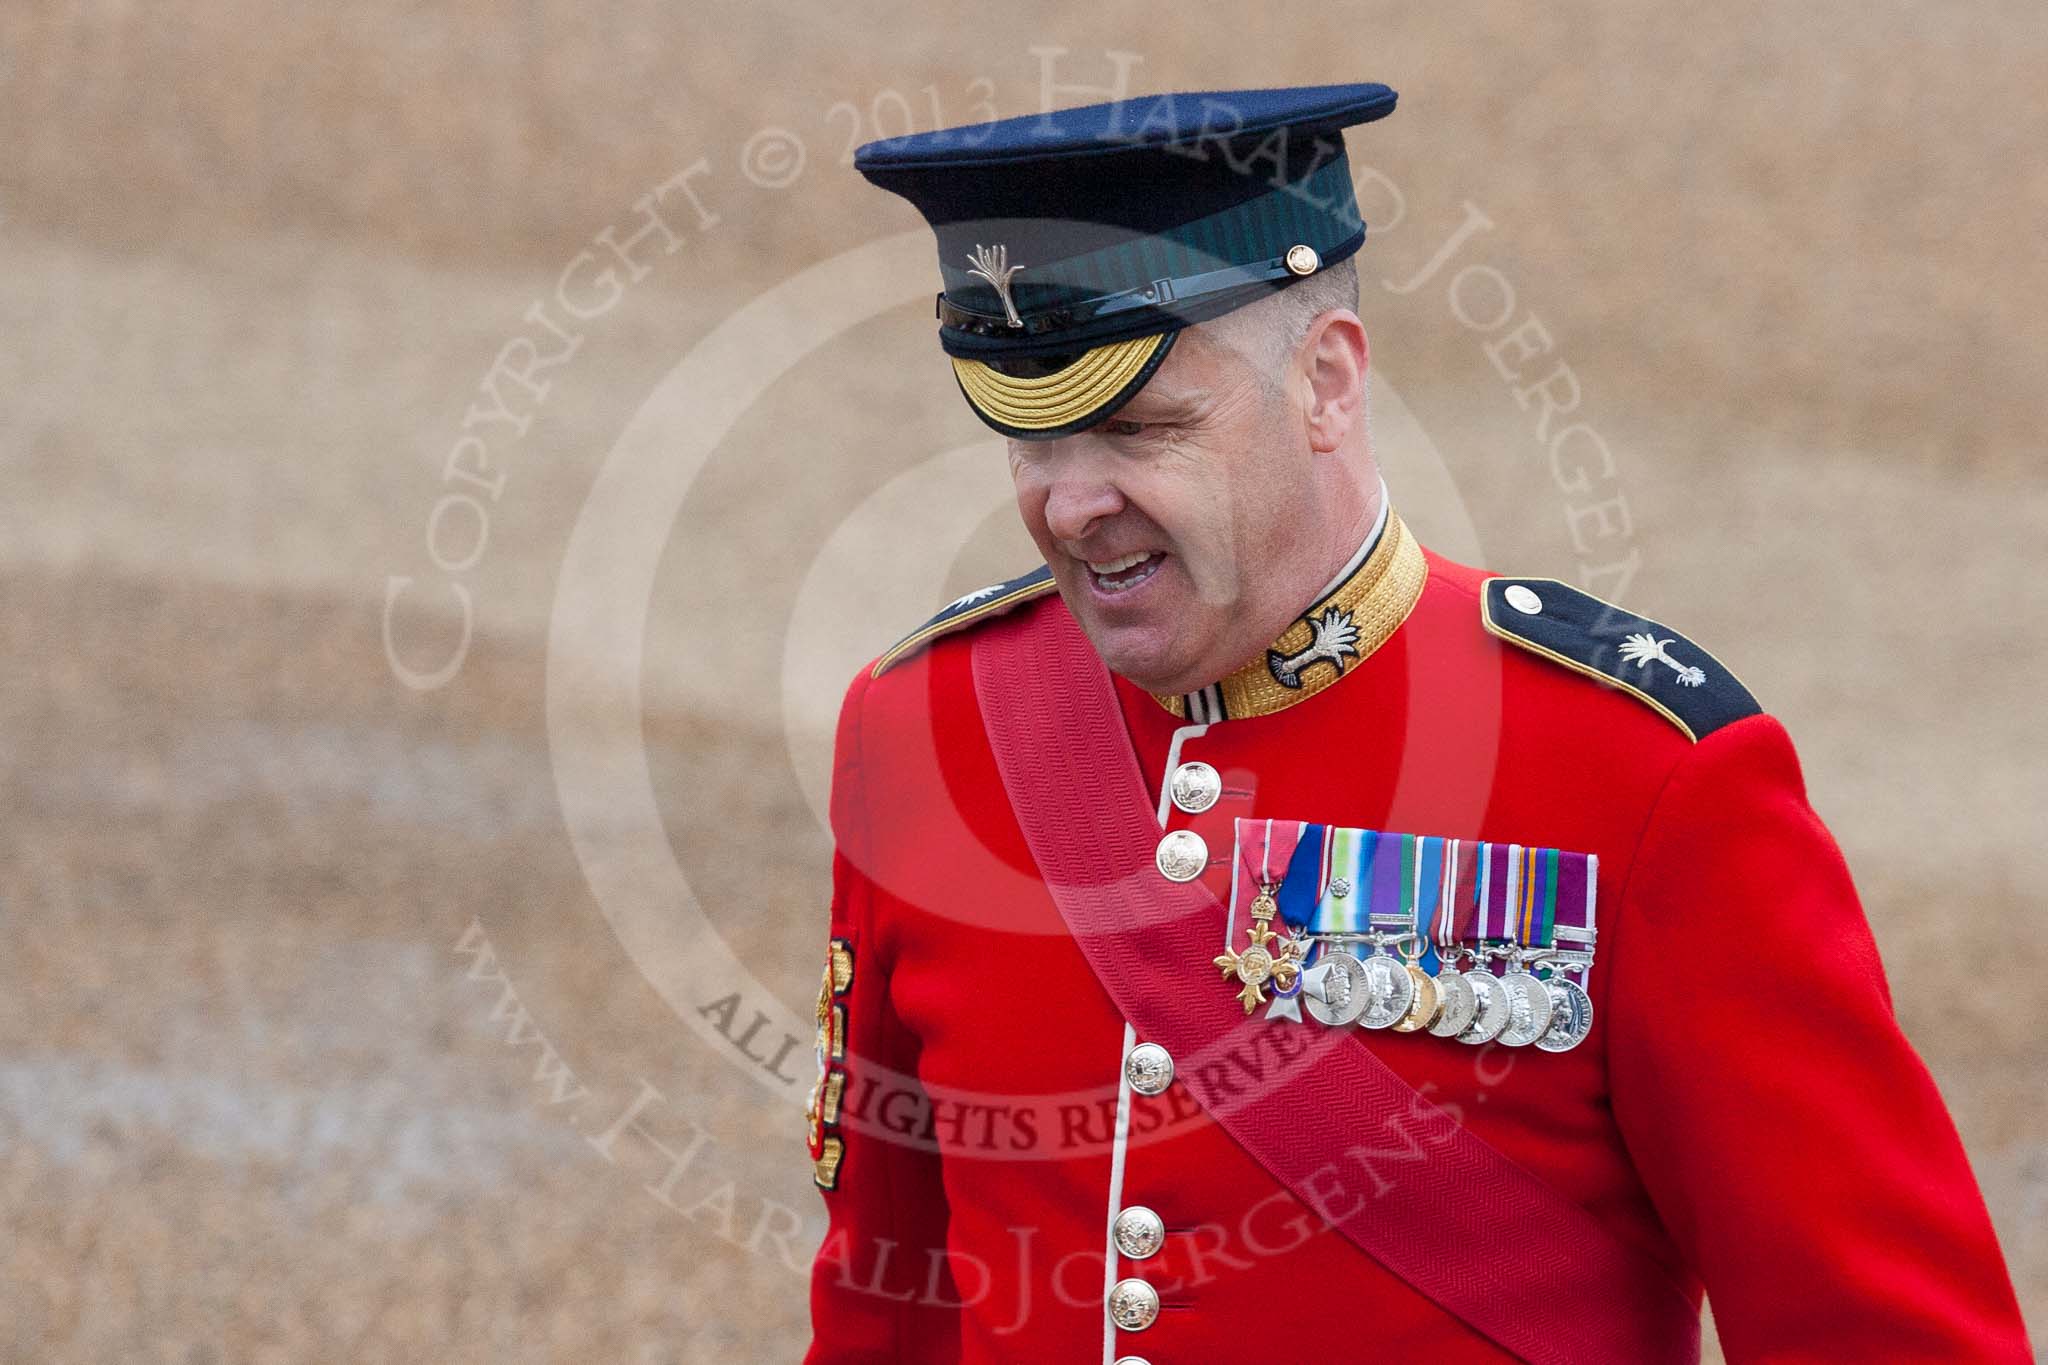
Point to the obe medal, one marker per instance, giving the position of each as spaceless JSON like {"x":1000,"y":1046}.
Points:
{"x":1260,"y":963}
{"x":1571,"y":1016}
{"x":1336,"y":990}
{"x":1492,"y":1013}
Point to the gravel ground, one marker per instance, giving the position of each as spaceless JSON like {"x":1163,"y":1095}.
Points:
{"x":315,"y":1035}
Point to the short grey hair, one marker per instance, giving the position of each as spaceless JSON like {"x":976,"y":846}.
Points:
{"x":1268,"y":332}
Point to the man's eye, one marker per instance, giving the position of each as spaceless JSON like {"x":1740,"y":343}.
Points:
{"x":1122,"y":426}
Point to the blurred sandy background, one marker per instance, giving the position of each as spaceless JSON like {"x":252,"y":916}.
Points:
{"x":255,"y":263}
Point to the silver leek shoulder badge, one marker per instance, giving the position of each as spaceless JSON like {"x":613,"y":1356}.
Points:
{"x":1468,"y":939}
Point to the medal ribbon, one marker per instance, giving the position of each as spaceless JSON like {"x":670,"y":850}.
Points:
{"x":1536,"y":898}
{"x":1451,"y":891}
{"x":1422,"y":889}
{"x":1302,"y":884}
{"x":1562,"y":895}
{"x":1351,"y":858}
{"x":1266,"y":851}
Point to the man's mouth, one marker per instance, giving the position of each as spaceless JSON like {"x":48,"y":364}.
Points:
{"x":1124,"y":573}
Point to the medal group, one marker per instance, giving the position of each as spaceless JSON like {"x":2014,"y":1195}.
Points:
{"x":1482,"y":942}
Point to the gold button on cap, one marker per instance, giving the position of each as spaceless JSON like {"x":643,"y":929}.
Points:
{"x":1139,"y":1232}
{"x":1182,"y":855}
{"x":1195,"y":787}
{"x":1133,"y":1305}
{"x":1149,"y":1069}
{"x":1302,"y":259}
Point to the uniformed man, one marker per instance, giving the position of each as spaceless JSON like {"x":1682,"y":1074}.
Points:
{"x":1254,"y":934}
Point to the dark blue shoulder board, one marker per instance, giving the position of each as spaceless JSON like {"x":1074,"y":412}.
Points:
{"x":1652,"y":662}
{"x":978,"y":605}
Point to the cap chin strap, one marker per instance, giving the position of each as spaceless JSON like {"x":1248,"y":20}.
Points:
{"x":1156,"y":295}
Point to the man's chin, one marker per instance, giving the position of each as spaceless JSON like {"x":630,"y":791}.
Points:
{"x":1148,"y":657}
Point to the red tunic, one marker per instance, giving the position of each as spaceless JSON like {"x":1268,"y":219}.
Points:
{"x":1745,"y":1110}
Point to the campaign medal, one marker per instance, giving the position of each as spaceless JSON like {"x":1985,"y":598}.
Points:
{"x":1550,"y":887}
{"x":1427,"y":1003}
{"x":1445,"y":920}
{"x":1491,"y":1012}
{"x":1391,"y":989}
{"x":1346,"y":915}
{"x":1439,"y":888}
{"x":1356,"y":989}
{"x":1458,"y":1002}
{"x":1531,"y":914}
{"x":1334,"y":990}
{"x":1571,"y":1015}
{"x":1492,"y":911}
{"x":1410,"y":988}
{"x":1529,"y":1003}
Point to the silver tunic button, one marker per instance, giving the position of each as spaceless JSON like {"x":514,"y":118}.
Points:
{"x":1149,"y":1069}
{"x":1132,"y":1360}
{"x":1523,"y":599}
{"x":1133,"y":1305}
{"x":1196,"y":786}
{"x":1139,"y":1232}
{"x":1182,"y":856}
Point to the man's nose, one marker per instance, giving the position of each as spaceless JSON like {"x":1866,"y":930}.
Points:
{"x":1077,"y":502}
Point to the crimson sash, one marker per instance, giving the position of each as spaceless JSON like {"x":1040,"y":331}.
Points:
{"x":1520,"y":1263}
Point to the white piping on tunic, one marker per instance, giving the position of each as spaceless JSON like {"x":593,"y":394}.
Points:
{"x":1120,"y":1141}
{"x":1116,"y":1193}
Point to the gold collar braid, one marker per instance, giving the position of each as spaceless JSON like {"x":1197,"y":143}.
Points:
{"x":1337,"y":632}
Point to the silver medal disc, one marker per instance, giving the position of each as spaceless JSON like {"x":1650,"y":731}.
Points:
{"x":1492,"y":1013}
{"x":1459,"y":1004}
{"x":1391,"y":991}
{"x":1571,"y":1017}
{"x":1344,"y":989}
{"x":1529,"y":1009}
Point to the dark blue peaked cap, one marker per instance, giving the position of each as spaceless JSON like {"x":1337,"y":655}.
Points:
{"x":1074,"y":245}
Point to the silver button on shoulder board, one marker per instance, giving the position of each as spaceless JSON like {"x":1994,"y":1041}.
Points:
{"x":1523,"y":599}
{"x":1182,"y":855}
{"x":1195,"y":786}
{"x":1149,"y":1068}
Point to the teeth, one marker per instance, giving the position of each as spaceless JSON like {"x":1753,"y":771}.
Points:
{"x":1110,"y":566}
{"x":1147,"y":566}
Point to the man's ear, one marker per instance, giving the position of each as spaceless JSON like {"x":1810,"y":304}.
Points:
{"x":1333,"y":357}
